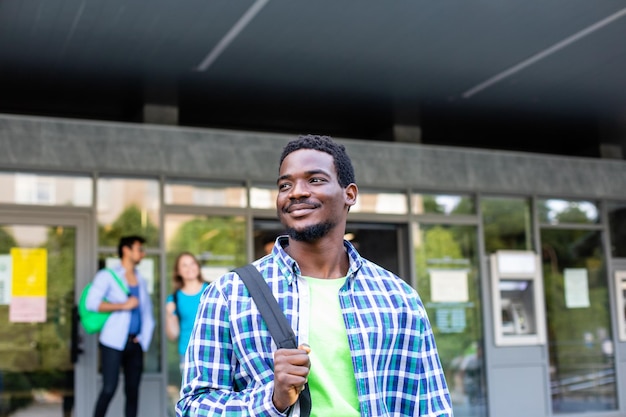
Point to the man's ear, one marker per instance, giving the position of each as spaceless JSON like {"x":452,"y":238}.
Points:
{"x":351,"y":192}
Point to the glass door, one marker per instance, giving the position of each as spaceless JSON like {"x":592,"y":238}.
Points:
{"x":448,"y":281}
{"x":41,"y":256}
{"x":580,"y":338}
{"x":382,"y":243}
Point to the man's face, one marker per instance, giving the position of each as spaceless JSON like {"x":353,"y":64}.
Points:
{"x":135,"y":253}
{"x":310,"y":201}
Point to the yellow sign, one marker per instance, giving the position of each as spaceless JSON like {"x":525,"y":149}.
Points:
{"x":30,"y":272}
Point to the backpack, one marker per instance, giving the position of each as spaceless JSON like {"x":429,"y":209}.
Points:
{"x":93,"y":321}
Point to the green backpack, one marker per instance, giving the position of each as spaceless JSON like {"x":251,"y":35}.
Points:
{"x":93,"y":321}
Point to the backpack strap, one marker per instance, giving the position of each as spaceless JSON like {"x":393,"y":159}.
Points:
{"x":275,"y":319}
{"x":119,"y":281}
{"x":175,"y":298}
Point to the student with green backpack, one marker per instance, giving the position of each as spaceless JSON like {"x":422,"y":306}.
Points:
{"x":127,"y":332}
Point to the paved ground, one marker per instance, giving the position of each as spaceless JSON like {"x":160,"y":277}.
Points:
{"x":39,"y":410}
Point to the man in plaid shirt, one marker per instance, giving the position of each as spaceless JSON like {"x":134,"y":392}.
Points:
{"x":366,"y":345}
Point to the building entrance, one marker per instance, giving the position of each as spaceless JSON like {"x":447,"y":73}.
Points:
{"x":41,"y":257}
{"x":381,"y":243}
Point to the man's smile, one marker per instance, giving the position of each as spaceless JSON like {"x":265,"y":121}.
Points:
{"x":300,"y":207}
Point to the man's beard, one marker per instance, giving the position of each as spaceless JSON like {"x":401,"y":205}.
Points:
{"x":310,"y":233}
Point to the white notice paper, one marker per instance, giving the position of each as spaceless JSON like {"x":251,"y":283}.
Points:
{"x":448,"y":286}
{"x":576,"y":288}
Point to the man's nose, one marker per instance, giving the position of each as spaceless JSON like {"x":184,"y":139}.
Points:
{"x":300,"y":189}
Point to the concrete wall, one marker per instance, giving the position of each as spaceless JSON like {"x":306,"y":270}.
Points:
{"x":64,"y":145}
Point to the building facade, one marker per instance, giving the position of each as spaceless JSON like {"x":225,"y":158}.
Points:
{"x":520,"y":259}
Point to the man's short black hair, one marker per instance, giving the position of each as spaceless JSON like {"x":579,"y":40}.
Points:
{"x":343,"y":165}
{"x":128,"y":241}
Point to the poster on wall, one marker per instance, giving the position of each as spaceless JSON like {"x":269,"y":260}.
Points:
{"x":576,"y":288}
{"x":29,"y":283}
{"x":448,"y":286}
{"x":145,"y":267}
{"x":5,"y":279}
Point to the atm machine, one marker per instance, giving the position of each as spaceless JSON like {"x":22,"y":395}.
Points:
{"x":518,"y":368}
{"x":518,"y":301}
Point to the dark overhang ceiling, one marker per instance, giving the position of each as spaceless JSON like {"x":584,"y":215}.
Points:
{"x":462,"y":71}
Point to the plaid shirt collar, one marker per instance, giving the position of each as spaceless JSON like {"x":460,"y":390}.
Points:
{"x":290,"y":270}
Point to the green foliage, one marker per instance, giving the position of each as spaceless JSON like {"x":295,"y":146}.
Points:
{"x":7,"y":241}
{"x":506,"y":224}
{"x":130,"y":222}
{"x":221,"y":238}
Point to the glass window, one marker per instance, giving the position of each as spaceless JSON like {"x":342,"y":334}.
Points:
{"x":554,"y":211}
{"x":263,"y":197}
{"x":380,"y":203}
{"x":580,"y":341}
{"x":442,"y":204}
{"x":128,"y":206}
{"x":205,"y":194}
{"x":617,"y":228}
{"x":46,"y":190}
{"x":219,"y":244}
{"x":446,"y":264}
{"x":506,"y":223}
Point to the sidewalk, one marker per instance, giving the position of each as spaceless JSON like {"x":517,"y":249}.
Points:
{"x":39,"y":410}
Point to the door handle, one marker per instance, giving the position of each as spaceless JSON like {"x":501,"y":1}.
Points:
{"x":75,"y":348}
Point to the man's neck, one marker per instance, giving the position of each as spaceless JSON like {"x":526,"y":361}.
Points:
{"x":128,"y":265}
{"x":324,"y":258}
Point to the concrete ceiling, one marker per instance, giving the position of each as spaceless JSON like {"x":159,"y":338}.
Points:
{"x":534,"y":75}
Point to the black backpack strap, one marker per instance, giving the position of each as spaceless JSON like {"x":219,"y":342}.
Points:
{"x":175,"y":297}
{"x":275,"y":319}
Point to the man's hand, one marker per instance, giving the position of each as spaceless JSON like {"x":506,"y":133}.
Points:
{"x":131,"y":303}
{"x":291,"y":369}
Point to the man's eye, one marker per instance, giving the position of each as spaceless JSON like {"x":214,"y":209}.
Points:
{"x":283,"y":186}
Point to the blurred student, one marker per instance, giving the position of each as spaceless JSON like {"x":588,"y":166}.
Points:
{"x":127,"y":333}
{"x":181,"y":306}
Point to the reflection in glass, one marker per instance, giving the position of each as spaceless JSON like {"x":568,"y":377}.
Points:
{"x":617,"y":228}
{"x":263,"y":197}
{"x":579,"y":334}
{"x":443,"y":204}
{"x":35,"y":361}
{"x":554,"y":211}
{"x":128,"y":206}
{"x":380,"y":202}
{"x":506,"y":223}
{"x":203,"y":194}
{"x":451,"y":251}
{"x":47,"y":190}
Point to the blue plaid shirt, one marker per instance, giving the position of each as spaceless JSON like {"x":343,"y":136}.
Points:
{"x":229,"y":361}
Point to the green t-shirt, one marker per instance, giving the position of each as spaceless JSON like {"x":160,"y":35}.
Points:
{"x":331,"y":380}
